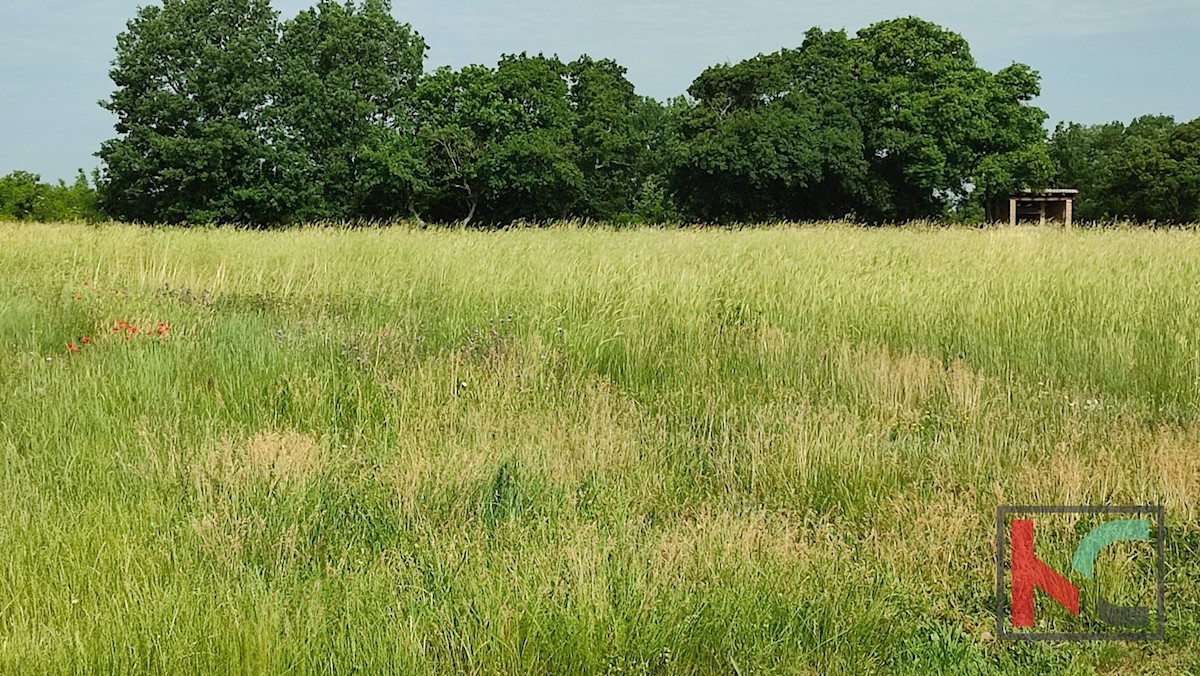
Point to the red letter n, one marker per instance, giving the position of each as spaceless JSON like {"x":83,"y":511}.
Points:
{"x":1028,"y":571}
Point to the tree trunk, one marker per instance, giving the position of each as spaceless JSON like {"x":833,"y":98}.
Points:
{"x":412,"y":210}
{"x":472,"y":203}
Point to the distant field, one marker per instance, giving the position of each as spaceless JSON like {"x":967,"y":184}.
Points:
{"x":576,"y":451}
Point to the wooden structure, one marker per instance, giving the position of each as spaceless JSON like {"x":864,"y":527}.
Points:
{"x":1054,"y":204}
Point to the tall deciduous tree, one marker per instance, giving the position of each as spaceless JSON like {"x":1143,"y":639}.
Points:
{"x":531,"y":171}
{"x":459,"y":113}
{"x":773,"y":137}
{"x":615,"y":134}
{"x":196,"y":133}
{"x":896,"y":123}
{"x":936,"y":123}
{"x":499,"y":142}
{"x":348,"y":80}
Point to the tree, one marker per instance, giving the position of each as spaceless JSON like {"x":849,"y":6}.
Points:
{"x":1082,"y":157}
{"x":773,"y":137}
{"x":1148,"y":171}
{"x":499,"y":142}
{"x":24,"y":197}
{"x":459,"y":113}
{"x":614,"y":132}
{"x":225,"y":115}
{"x":197,"y":136}
{"x":530,"y":171}
{"x":1155,"y":176}
{"x":1012,"y":152}
{"x":74,"y":202}
{"x":21,"y":195}
{"x":1183,"y":147}
{"x":895,"y":123}
{"x":936,"y":123}
{"x":349,"y":76}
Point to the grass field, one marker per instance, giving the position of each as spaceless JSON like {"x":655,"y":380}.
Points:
{"x":571,"y":450}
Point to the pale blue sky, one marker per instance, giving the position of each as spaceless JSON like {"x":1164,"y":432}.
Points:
{"x":1101,"y":60}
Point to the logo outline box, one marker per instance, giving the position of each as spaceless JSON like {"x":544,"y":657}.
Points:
{"x":1003,"y":603}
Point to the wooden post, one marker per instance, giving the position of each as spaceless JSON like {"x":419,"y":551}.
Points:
{"x":1012,"y":211}
{"x":1042,"y":212}
{"x":1067,"y":212}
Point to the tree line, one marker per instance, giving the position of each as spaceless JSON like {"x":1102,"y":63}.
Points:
{"x":1146,"y":171}
{"x":225,"y":113}
{"x":25,"y":197}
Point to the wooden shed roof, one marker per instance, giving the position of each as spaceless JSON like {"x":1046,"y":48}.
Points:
{"x":1049,"y":192}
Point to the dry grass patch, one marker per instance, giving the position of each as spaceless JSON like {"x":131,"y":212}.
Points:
{"x":1174,"y":463}
{"x":1123,"y":464}
{"x":233,"y":522}
{"x":940,"y":526}
{"x":1064,"y":476}
{"x":221,"y":535}
{"x":933,"y":539}
{"x":691,"y":546}
{"x":779,"y":453}
{"x":278,"y":457}
{"x":903,"y":385}
{"x":595,"y":435}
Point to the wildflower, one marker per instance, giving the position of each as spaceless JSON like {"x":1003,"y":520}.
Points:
{"x":86,"y":341}
{"x":87,"y":283}
{"x":71,"y":347}
{"x":77,"y":297}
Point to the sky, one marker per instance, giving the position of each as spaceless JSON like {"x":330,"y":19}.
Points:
{"x":1100,"y":60}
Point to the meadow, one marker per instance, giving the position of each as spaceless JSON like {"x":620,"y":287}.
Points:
{"x":577,"y":450}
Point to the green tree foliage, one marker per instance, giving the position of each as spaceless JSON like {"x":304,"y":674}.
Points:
{"x":937,"y":125}
{"x":198,"y":137}
{"x":896,"y":123}
{"x":1147,"y":171}
{"x":499,"y":142}
{"x":24,"y":197}
{"x":772,"y":137}
{"x":531,"y":171}
{"x":1013,"y":153}
{"x":349,"y":75}
{"x":21,"y":195}
{"x":226,"y":115}
{"x":616,"y":133}
{"x":459,"y":114}
{"x":1084,"y":156}
{"x":76,"y":201}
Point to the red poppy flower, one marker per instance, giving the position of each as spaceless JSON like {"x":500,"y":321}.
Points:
{"x":77,"y":296}
{"x":86,"y":340}
{"x":71,"y":347}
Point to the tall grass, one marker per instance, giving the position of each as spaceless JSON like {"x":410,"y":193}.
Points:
{"x":576,"y":450}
